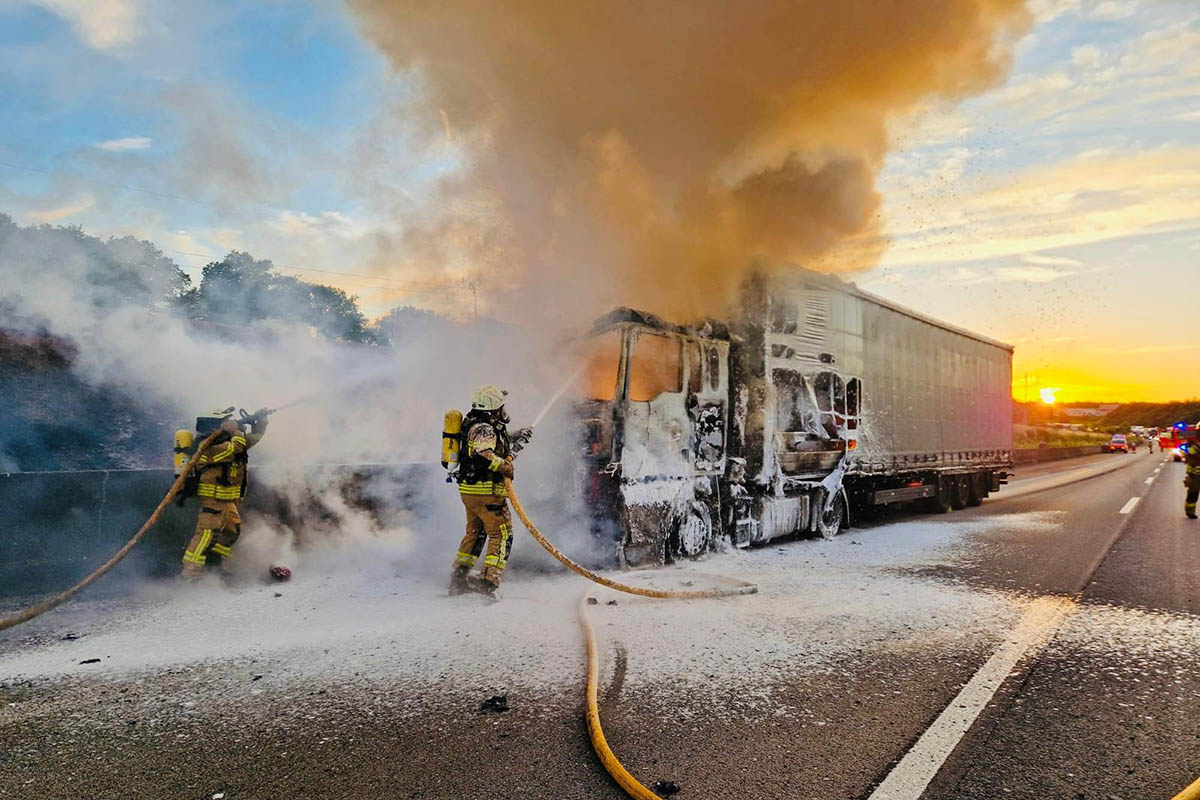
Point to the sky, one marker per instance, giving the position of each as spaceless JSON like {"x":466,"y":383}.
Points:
{"x":1058,"y":211}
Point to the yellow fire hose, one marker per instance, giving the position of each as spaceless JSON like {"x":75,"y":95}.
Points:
{"x":611,"y":763}
{"x":1192,"y":792}
{"x":37,"y":609}
{"x":741,"y":588}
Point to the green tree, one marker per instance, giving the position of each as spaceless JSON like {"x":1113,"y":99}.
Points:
{"x":240,"y":289}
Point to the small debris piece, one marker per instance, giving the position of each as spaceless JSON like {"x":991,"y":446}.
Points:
{"x":591,"y":601}
{"x":280,"y":573}
{"x":256,"y":678}
{"x":90,"y":661}
{"x":611,"y":603}
{"x":686,"y":583}
{"x":497,"y":703}
{"x":70,"y":637}
{"x":666,"y":787}
{"x":219,"y":796}
{"x":279,"y":594}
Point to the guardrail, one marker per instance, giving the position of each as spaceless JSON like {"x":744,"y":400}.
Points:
{"x":1036,"y":455}
{"x":62,"y":524}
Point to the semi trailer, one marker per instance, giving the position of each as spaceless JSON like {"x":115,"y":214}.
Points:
{"x":817,"y":401}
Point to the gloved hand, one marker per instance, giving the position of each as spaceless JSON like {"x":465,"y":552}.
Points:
{"x":520,"y":438}
{"x":230,"y":426}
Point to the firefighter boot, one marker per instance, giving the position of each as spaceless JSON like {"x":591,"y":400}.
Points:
{"x":459,"y":581}
{"x":484,"y":587}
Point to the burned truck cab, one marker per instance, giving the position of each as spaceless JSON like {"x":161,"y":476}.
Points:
{"x":656,"y":418}
{"x":816,"y":400}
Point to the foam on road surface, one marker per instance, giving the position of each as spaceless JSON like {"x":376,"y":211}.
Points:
{"x":359,"y":680}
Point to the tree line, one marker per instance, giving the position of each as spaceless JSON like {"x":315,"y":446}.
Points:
{"x":238,"y":289}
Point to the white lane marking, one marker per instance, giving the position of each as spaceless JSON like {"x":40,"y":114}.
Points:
{"x":1133,"y":501}
{"x":909,"y":779}
{"x":1150,"y":480}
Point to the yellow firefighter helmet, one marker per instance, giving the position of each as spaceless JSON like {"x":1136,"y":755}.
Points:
{"x":488,"y":398}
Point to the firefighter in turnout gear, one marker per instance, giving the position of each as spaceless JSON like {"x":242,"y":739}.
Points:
{"x":485,"y":460}
{"x":1191,"y":480}
{"x":221,"y":471}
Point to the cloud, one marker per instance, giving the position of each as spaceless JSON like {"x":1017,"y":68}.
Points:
{"x":952,"y":166}
{"x":103,"y":24}
{"x":1113,"y":10}
{"x":1088,"y":56}
{"x":1073,"y":202}
{"x":1032,"y":274}
{"x":972,"y":276}
{"x":62,"y":212}
{"x":1052,"y":261}
{"x":128,"y":143}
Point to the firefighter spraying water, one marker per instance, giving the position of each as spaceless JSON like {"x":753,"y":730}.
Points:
{"x":480,"y":452}
{"x":218,"y":477}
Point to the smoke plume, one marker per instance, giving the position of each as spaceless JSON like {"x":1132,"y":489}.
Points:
{"x":650,"y":152}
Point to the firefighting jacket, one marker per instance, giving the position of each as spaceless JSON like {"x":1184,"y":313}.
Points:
{"x":484,"y":464}
{"x":1192,"y":461}
{"x":222,"y":467}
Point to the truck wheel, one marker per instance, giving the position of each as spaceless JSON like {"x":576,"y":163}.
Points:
{"x":829,"y":523}
{"x":960,"y":494}
{"x":975,"y":491}
{"x":695,"y":532}
{"x":940,"y":502}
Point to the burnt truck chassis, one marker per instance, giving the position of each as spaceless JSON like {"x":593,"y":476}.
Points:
{"x":739,"y":434}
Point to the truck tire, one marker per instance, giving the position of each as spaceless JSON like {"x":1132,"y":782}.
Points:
{"x":960,"y":492}
{"x":976,"y":490}
{"x":940,"y":502}
{"x":829,"y":523}
{"x":695,"y":531}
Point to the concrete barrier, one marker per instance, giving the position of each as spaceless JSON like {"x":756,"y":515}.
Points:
{"x":1036,"y":455}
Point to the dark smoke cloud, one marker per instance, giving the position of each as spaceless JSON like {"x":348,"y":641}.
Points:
{"x":649,"y":152}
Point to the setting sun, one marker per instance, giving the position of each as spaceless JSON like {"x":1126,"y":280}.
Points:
{"x":1049,"y":395}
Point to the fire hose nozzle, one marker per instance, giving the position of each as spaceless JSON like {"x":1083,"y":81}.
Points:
{"x":256,"y":418}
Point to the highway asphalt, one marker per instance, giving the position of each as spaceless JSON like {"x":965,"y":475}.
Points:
{"x":1099,"y":700}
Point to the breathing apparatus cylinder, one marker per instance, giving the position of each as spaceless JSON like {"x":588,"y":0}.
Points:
{"x":184,"y":448}
{"x":451,"y":428}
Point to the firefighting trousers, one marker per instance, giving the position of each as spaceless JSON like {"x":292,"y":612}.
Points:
{"x":1193,"y":494}
{"x":217,"y":528}
{"x":488,"y":520}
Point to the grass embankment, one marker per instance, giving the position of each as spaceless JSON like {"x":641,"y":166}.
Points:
{"x":1026,"y":436}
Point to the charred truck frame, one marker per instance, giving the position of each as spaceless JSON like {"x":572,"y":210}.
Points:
{"x":820,"y":400}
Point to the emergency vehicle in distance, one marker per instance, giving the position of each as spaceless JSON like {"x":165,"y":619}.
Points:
{"x":816,"y":401}
{"x":1117,"y":444}
{"x":1173,"y":437}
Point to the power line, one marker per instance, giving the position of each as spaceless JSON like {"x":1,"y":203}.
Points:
{"x":109,"y":184}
